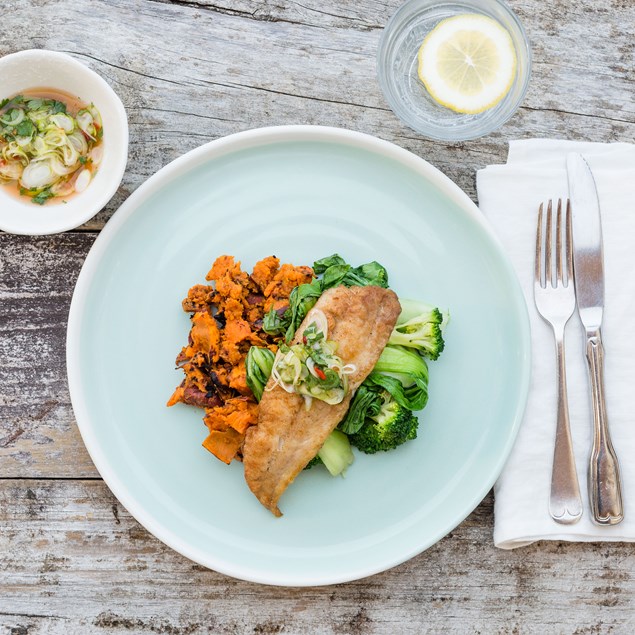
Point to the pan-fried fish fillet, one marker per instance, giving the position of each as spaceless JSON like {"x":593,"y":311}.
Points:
{"x":287,"y":437}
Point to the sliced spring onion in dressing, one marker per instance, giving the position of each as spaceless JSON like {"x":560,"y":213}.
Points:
{"x":311,"y":368}
{"x":45,"y":149}
{"x":82,"y":181}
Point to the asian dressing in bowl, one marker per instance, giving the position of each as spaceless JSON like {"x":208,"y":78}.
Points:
{"x":50,"y":144}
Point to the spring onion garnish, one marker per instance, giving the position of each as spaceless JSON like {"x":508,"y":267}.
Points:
{"x":311,"y":368}
{"x":48,"y":151}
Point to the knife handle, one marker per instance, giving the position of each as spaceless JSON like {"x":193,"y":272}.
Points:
{"x":605,"y":490}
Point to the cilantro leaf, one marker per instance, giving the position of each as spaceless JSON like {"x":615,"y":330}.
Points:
{"x":58,"y":106}
{"x":11,"y":116}
{"x":25,"y":128}
{"x":43,"y":196}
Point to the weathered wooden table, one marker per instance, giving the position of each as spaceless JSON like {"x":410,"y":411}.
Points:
{"x":72,"y":560}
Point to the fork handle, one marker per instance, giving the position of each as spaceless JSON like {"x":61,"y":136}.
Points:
{"x":605,"y":490}
{"x":565,"y":501}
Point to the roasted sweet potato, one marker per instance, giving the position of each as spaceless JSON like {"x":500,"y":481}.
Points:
{"x":224,"y":445}
{"x":227,"y":320}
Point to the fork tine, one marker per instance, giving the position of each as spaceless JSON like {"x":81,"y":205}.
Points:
{"x":538,"y":259}
{"x":548,"y":251}
{"x":569,"y":243}
{"x":559,"y":242}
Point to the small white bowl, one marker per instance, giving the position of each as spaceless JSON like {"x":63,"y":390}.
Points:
{"x":48,"y":69}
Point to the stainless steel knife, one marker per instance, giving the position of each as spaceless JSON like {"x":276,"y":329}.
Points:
{"x":605,"y":490}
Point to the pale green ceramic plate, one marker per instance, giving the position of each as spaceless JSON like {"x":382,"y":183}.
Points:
{"x":300,"y":193}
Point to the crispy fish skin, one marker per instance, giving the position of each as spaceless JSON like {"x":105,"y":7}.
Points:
{"x":288,"y":436}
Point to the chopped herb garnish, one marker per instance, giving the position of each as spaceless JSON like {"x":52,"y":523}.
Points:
{"x":58,"y":106}
{"x":25,"y":128}
{"x":82,"y":160}
{"x":43,"y":196}
{"x":312,"y":335}
{"x":12,"y":117}
{"x":312,"y":368}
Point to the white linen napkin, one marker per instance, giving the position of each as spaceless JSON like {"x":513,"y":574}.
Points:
{"x":509,"y":196}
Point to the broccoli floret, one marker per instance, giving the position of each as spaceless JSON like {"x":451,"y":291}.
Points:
{"x":391,"y":427}
{"x":316,"y":460}
{"x":426,"y":337}
{"x":420,"y":326}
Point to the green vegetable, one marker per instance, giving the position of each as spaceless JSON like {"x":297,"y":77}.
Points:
{"x":41,"y":197}
{"x":25,"y":128}
{"x":404,"y":374}
{"x":12,"y":117}
{"x":336,"y":453}
{"x":335,"y":271}
{"x":301,"y":300}
{"x":372,"y":273}
{"x":58,"y":106}
{"x":316,"y":460}
{"x":366,"y":402}
{"x":321,"y":265}
{"x":420,"y":326}
{"x":390,"y":427}
{"x":259,"y":363}
{"x":273,"y":323}
{"x":44,"y":148}
{"x":400,"y":376}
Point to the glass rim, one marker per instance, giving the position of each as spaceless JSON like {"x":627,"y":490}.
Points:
{"x":396,"y":29}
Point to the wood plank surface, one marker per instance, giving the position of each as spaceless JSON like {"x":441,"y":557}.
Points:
{"x":190,"y":72}
{"x":72,"y":560}
{"x":38,"y":435}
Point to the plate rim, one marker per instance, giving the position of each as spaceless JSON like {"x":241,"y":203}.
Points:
{"x":214,"y":149}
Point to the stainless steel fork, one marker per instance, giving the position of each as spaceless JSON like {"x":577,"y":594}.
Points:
{"x":554,"y":296}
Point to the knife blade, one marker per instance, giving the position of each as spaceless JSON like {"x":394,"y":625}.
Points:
{"x":588,"y":252}
{"x":605,"y":490}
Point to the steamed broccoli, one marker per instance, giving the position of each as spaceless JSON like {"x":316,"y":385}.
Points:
{"x":420,"y":326}
{"x":392,"y":426}
{"x":316,"y":460}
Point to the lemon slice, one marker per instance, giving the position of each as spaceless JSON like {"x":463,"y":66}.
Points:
{"x":467,"y":63}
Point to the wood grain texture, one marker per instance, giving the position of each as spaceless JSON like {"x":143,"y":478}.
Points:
{"x":72,"y":560}
{"x":38,"y":435}
{"x":190,"y":72}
